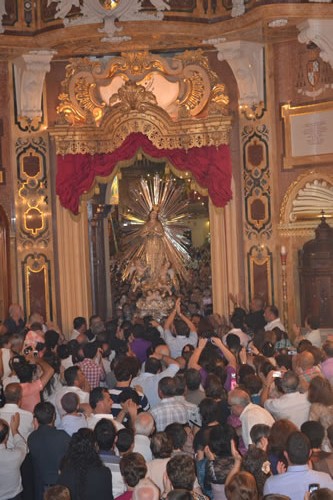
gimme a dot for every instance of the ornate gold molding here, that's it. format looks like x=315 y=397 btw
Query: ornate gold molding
x=86 y=83
x=136 y=111
x=197 y=117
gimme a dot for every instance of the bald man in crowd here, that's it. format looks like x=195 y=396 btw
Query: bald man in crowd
x=248 y=413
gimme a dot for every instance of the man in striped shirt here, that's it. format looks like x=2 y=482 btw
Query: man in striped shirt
x=122 y=372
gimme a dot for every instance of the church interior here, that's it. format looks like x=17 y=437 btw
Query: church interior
x=232 y=99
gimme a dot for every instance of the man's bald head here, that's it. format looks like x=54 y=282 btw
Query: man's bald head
x=305 y=360
x=144 y=424
x=13 y=393
x=238 y=400
x=146 y=490
x=240 y=397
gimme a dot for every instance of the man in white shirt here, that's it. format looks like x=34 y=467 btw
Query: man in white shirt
x=154 y=372
x=271 y=315
x=79 y=327
x=312 y=333
x=101 y=403
x=11 y=459
x=179 y=331
x=144 y=426
x=291 y=405
x=77 y=383
x=248 y=413
x=13 y=396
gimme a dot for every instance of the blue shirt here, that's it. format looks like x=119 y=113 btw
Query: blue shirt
x=295 y=482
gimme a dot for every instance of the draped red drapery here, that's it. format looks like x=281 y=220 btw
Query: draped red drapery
x=210 y=166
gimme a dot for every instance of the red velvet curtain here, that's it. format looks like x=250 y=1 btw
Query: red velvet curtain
x=210 y=166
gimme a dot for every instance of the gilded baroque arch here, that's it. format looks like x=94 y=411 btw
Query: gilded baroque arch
x=304 y=201
x=104 y=101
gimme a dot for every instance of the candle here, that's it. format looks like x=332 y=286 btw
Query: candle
x=283 y=250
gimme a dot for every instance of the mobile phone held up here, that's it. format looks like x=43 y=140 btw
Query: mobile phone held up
x=233 y=382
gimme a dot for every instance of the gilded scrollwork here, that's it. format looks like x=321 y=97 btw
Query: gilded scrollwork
x=197 y=57
x=219 y=100
x=90 y=86
x=68 y=112
x=99 y=125
x=84 y=94
x=133 y=97
x=135 y=64
x=164 y=133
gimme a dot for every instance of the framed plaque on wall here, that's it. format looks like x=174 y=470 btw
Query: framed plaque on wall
x=308 y=134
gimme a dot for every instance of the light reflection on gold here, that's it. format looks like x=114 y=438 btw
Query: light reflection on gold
x=110 y=4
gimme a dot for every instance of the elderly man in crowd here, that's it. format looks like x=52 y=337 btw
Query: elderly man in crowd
x=169 y=410
x=292 y=404
x=249 y=413
x=144 y=427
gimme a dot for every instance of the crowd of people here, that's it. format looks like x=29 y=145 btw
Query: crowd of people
x=188 y=407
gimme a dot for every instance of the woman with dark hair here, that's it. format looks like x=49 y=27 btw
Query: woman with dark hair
x=209 y=410
x=54 y=383
x=256 y=462
x=179 y=494
x=242 y=485
x=26 y=368
x=214 y=389
x=320 y=395
x=277 y=442
x=219 y=458
x=82 y=470
x=187 y=352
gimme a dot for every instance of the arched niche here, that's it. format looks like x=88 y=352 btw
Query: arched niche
x=300 y=214
x=305 y=200
x=195 y=125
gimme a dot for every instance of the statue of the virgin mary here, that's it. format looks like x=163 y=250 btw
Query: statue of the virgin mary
x=155 y=246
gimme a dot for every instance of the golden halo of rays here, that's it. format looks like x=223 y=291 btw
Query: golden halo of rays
x=172 y=213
